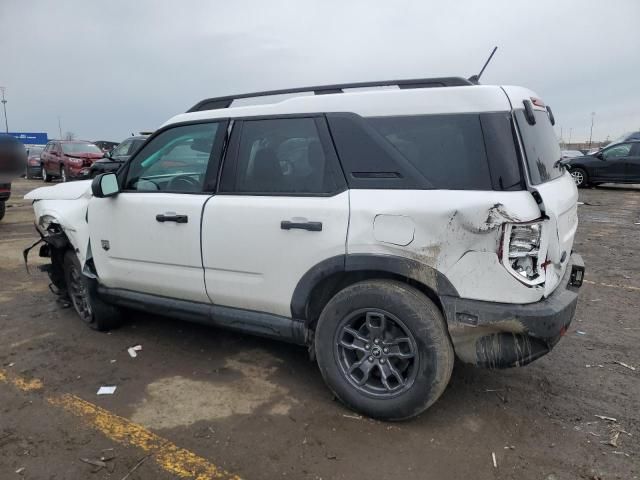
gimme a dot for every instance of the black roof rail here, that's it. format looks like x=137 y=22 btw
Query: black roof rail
x=225 y=102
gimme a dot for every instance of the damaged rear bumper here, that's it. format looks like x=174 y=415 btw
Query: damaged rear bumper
x=501 y=335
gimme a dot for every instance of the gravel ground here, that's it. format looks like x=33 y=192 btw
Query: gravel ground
x=259 y=408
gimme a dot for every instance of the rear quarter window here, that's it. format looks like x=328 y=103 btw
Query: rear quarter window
x=448 y=150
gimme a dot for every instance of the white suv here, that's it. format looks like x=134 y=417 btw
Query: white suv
x=387 y=230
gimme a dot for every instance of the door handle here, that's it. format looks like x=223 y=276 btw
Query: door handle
x=310 y=226
x=172 y=217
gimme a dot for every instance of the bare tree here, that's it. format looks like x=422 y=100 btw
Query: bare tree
x=69 y=136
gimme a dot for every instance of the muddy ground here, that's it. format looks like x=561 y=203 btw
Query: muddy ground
x=259 y=408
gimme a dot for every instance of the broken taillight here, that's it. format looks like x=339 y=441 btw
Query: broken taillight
x=521 y=252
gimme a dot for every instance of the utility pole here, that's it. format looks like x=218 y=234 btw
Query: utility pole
x=59 y=127
x=593 y=114
x=4 y=107
x=570 y=135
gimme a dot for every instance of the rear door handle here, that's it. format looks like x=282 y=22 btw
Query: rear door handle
x=171 y=217
x=311 y=226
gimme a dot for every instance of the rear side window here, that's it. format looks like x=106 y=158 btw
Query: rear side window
x=281 y=156
x=448 y=150
x=541 y=147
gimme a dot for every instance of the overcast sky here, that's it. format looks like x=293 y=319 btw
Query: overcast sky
x=115 y=67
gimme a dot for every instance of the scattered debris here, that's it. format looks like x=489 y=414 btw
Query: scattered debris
x=599 y=366
x=495 y=463
x=609 y=419
x=625 y=365
x=107 y=454
x=331 y=456
x=355 y=417
x=133 y=350
x=20 y=470
x=494 y=390
x=135 y=467
x=580 y=332
x=97 y=464
x=510 y=447
x=112 y=361
x=106 y=390
x=621 y=453
x=11 y=364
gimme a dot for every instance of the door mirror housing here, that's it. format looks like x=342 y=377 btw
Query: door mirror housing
x=105 y=185
x=599 y=155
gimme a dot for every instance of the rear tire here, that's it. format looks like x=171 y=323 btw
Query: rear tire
x=63 y=175
x=97 y=314
x=3 y=209
x=580 y=177
x=45 y=176
x=383 y=348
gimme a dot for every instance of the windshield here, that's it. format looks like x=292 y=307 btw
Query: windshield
x=80 y=148
x=34 y=150
x=541 y=147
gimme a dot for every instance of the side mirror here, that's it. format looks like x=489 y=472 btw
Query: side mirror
x=105 y=185
x=599 y=155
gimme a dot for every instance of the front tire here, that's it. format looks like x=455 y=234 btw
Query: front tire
x=580 y=177
x=63 y=175
x=3 y=209
x=45 y=176
x=383 y=348
x=97 y=314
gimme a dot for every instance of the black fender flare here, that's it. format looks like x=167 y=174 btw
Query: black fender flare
x=393 y=264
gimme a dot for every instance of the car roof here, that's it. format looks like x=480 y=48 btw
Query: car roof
x=377 y=102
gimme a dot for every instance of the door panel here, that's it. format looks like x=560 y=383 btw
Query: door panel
x=251 y=262
x=147 y=237
x=613 y=166
x=133 y=250
x=282 y=207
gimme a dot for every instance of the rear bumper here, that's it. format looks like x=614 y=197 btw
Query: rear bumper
x=500 y=335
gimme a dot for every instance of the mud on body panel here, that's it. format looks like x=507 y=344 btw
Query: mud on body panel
x=457 y=233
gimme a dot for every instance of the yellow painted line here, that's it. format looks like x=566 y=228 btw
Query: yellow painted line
x=628 y=287
x=170 y=457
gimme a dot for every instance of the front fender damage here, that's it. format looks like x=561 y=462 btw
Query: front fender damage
x=53 y=244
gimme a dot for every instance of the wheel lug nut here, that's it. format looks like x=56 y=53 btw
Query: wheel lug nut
x=382 y=360
x=376 y=341
x=371 y=359
x=385 y=350
x=367 y=346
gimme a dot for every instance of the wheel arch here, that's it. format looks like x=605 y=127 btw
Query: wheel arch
x=325 y=279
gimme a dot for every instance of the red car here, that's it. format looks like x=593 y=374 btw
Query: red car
x=68 y=159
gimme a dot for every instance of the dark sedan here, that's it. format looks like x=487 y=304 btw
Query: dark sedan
x=619 y=163
x=118 y=156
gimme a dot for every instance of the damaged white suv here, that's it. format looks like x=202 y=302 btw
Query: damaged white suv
x=388 y=230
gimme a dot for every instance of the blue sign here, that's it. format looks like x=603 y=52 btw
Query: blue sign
x=31 y=138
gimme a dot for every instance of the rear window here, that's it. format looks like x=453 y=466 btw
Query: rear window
x=448 y=150
x=80 y=148
x=541 y=147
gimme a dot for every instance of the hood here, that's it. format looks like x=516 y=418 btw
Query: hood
x=90 y=155
x=62 y=191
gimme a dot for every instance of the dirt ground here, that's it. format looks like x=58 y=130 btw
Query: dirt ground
x=259 y=409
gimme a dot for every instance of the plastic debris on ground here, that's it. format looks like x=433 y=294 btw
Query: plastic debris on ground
x=133 y=351
x=106 y=390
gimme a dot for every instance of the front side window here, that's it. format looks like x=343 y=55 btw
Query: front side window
x=617 y=151
x=174 y=161
x=280 y=156
x=122 y=149
x=541 y=147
